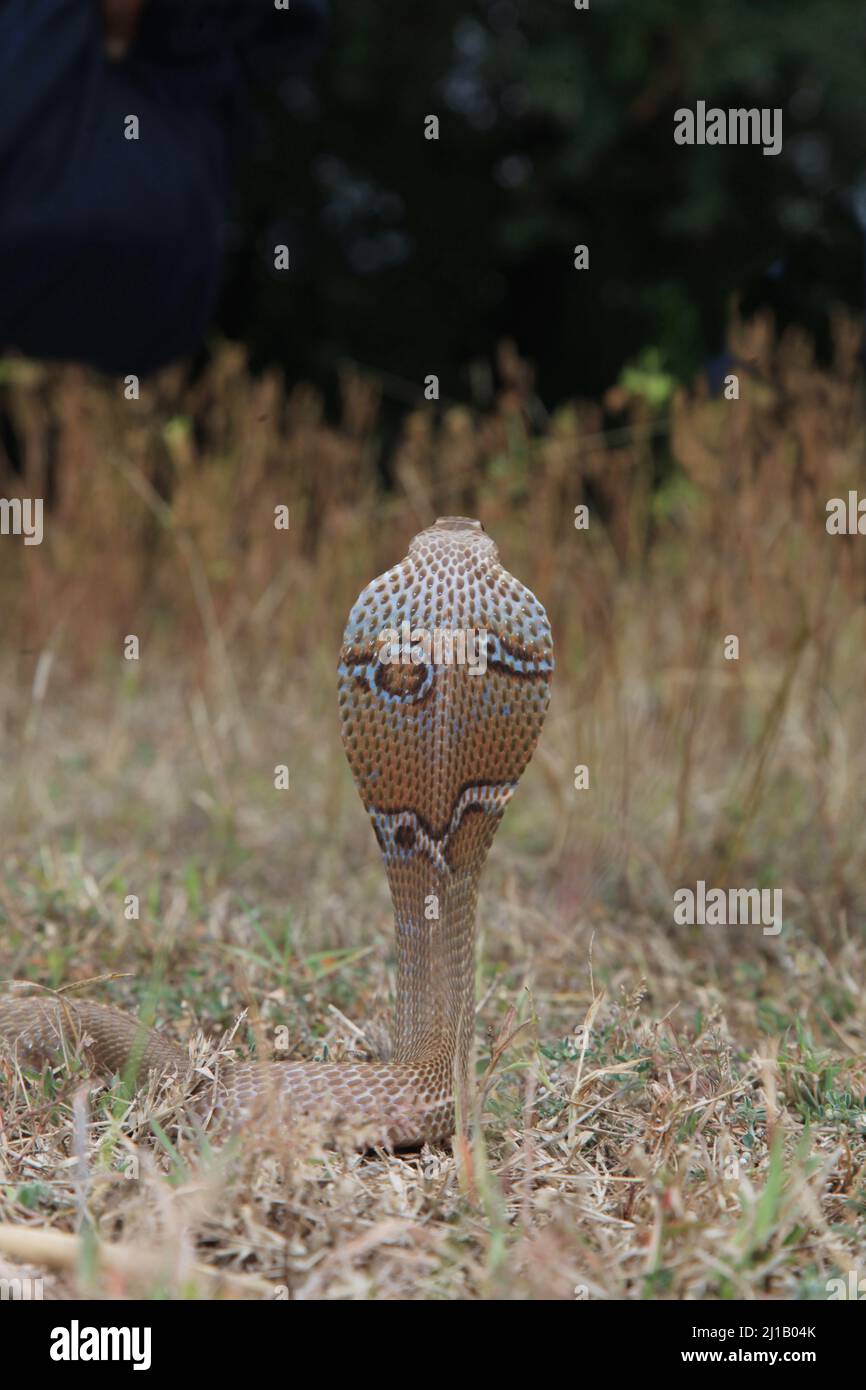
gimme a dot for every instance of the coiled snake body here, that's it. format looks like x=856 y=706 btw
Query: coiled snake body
x=444 y=682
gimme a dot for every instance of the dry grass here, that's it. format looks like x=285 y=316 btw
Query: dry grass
x=664 y=1111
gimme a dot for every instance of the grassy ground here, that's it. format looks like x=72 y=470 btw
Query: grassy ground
x=663 y=1111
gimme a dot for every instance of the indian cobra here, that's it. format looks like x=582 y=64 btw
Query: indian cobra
x=444 y=681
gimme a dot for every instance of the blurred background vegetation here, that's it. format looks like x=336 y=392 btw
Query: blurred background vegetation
x=556 y=128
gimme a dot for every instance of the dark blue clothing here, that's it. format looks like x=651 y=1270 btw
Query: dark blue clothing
x=111 y=249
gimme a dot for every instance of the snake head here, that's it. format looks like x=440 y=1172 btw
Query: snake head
x=444 y=682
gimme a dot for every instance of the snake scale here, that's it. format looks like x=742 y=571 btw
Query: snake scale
x=436 y=744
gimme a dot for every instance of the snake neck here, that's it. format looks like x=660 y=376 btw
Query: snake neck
x=435 y=949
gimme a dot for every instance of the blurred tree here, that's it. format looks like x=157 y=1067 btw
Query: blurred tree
x=556 y=128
